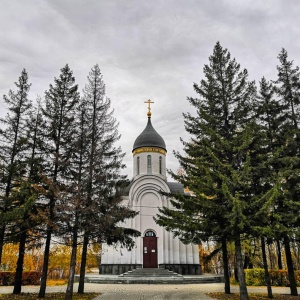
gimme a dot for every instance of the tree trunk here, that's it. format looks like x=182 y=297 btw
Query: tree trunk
x=265 y=262
x=270 y=257
x=236 y=277
x=279 y=258
x=42 y=291
x=290 y=266
x=295 y=251
x=2 y=234
x=20 y=263
x=83 y=264
x=69 y=291
x=240 y=270
x=225 y=266
x=246 y=262
x=43 y=286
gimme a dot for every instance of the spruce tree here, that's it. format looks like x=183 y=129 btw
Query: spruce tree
x=101 y=208
x=25 y=225
x=73 y=205
x=60 y=102
x=275 y=180
x=287 y=87
x=13 y=145
x=264 y=180
x=217 y=159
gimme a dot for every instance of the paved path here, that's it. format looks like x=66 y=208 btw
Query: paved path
x=148 y=291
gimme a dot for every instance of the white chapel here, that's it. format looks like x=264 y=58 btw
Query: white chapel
x=156 y=247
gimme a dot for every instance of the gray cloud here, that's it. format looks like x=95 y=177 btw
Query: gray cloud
x=145 y=49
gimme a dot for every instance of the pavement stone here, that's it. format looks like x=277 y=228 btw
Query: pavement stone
x=153 y=292
x=149 y=291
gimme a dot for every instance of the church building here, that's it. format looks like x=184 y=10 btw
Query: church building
x=156 y=247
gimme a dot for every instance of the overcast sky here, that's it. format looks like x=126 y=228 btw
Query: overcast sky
x=146 y=49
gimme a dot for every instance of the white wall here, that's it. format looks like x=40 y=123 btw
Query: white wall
x=145 y=197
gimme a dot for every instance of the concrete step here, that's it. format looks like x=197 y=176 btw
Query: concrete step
x=124 y=280
x=186 y=279
x=147 y=272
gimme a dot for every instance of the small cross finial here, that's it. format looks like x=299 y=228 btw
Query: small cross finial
x=149 y=108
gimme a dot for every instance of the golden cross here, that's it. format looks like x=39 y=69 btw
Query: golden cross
x=149 y=108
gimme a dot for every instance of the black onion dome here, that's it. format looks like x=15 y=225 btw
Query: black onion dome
x=149 y=138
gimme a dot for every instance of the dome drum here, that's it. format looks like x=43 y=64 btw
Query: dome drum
x=149 y=163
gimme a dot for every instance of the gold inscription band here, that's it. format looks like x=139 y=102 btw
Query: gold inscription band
x=149 y=149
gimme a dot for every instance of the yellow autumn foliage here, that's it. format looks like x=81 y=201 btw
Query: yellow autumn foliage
x=32 y=258
x=59 y=262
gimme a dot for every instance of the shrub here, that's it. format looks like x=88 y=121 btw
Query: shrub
x=31 y=278
x=256 y=277
x=28 y=278
x=7 y=278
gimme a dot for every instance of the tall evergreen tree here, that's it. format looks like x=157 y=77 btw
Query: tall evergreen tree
x=32 y=212
x=60 y=102
x=105 y=213
x=217 y=159
x=264 y=181
x=103 y=170
x=13 y=145
x=73 y=205
x=287 y=88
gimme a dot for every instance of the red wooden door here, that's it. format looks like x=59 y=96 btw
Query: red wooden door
x=150 y=252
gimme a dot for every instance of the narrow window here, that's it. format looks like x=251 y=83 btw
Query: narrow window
x=138 y=165
x=160 y=165
x=149 y=165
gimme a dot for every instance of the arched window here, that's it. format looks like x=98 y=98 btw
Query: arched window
x=150 y=233
x=138 y=165
x=149 y=164
x=160 y=165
